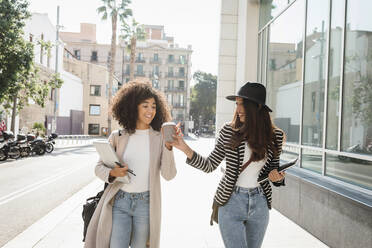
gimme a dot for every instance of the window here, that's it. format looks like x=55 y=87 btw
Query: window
x=170 y=84
x=170 y=99
x=315 y=72
x=94 y=109
x=94 y=56
x=170 y=58
x=181 y=100
x=52 y=93
x=156 y=57
x=95 y=90
x=181 y=84
x=284 y=84
x=182 y=60
x=140 y=70
x=170 y=71
x=93 y=129
x=156 y=70
x=77 y=53
x=181 y=71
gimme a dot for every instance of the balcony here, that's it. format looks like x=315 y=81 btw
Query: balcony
x=178 y=105
x=182 y=61
x=154 y=74
x=139 y=74
x=140 y=60
x=155 y=61
x=174 y=89
x=171 y=75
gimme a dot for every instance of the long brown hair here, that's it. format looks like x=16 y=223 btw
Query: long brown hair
x=257 y=129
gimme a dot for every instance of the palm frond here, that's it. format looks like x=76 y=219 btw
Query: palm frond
x=101 y=9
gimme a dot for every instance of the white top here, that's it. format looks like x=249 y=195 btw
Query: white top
x=137 y=157
x=248 y=178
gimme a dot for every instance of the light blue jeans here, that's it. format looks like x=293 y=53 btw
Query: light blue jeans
x=244 y=218
x=130 y=220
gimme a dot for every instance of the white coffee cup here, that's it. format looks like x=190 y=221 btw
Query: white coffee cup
x=168 y=131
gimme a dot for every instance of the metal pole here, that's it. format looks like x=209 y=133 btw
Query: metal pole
x=54 y=127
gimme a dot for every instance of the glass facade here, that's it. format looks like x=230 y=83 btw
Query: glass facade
x=315 y=58
x=284 y=71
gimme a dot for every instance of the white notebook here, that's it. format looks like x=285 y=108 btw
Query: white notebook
x=109 y=157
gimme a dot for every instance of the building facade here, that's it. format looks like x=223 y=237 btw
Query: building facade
x=61 y=102
x=315 y=58
x=158 y=59
x=95 y=93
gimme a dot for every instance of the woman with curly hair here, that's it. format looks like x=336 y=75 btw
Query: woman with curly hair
x=129 y=214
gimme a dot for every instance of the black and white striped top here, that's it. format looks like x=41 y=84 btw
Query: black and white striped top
x=223 y=150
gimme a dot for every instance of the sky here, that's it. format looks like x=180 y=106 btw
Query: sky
x=190 y=22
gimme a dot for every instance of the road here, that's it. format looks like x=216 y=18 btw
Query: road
x=31 y=187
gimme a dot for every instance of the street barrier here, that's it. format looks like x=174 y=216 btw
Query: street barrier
x=74 y=140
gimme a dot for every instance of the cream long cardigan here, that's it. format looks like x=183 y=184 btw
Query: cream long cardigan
x=161 y=162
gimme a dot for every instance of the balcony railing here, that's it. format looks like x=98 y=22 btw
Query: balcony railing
x=154 y=74
x=174 y=89
x=140 y=60
x=178 y=105
x=182 y=61
x=155 y=61
x=139 y=73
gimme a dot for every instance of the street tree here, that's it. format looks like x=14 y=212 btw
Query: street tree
x=203 y=98
x=131 y=33
x=19 y=76
x=115 y=9
x=16 y=55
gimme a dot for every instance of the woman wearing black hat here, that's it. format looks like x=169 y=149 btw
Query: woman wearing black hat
x=251 y=146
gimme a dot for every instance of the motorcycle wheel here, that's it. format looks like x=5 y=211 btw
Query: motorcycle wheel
x=16 y=155
x=25 y=152
x=49 y=148
x=40 y=151
x=3 y=156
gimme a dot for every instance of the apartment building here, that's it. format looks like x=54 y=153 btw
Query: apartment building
x=95 y=93
x=158 y=59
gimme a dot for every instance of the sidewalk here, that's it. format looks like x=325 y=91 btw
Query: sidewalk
x=186 y=208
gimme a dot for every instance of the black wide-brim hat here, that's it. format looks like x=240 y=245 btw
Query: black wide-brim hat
x=255 y=92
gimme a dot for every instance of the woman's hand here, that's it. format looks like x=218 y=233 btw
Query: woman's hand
x=119 y=171
x=179 y=142
x=276 y=176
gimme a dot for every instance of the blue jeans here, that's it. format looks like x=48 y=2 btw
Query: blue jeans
x=130 y=220
x=244 y=218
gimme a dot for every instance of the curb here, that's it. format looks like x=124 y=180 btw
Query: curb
x=40 y=229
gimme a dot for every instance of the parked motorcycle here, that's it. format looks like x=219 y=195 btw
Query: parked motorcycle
x=37 y=145
x=49 y=142
x=10 y=148
x=23 y=145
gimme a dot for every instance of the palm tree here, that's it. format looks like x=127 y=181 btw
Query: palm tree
x=116 y=9
x=131 y=34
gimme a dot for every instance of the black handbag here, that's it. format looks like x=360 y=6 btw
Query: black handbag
x=88 y=209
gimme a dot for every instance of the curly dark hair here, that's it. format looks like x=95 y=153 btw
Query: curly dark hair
x=124 y=107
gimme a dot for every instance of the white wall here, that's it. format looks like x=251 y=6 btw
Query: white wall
x=37 y=25
x=70 y=94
